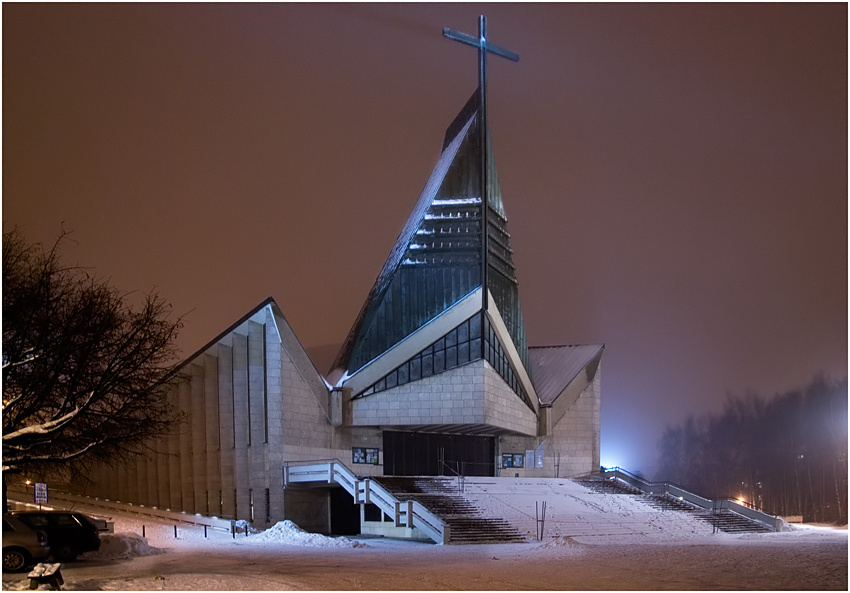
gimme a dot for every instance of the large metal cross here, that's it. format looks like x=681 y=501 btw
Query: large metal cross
x=484 y=47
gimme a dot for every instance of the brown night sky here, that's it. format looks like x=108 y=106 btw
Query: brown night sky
x=675 y=176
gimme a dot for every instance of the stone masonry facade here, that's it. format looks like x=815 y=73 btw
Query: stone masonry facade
x=252 y=402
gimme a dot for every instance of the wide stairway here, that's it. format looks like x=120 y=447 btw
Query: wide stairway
x=441 y=496
x=721 y=519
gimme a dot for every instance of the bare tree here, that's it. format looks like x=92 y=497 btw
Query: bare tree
x=84 y=371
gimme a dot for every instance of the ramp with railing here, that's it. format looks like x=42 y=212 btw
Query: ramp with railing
x=406 y=513
x=105 y=506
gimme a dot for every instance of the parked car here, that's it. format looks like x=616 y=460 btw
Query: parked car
x=22 y=545
x=68 y=533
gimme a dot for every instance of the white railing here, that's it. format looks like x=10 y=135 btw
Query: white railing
x=67 y=500
x=406 y=513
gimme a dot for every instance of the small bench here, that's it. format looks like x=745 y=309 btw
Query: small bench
x=46 y=574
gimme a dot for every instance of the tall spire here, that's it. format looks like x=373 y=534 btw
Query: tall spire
x=484 y=47
x=448 y=292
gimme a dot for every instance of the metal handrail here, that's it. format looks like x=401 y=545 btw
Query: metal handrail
x=666 y=487
x=407 y=513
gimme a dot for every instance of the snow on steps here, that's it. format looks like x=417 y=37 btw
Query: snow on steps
x=724 y=520
x=469 y=524
x=574 y=510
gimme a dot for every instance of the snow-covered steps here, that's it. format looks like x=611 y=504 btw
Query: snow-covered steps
x=469 y=524
x=608 y=486
x=721 y=519
x=574 y=510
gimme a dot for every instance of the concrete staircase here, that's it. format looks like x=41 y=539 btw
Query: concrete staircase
x=721 y=519
x=467 y=521
x=603 y=486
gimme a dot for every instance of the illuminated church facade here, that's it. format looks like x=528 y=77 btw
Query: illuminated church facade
x=434 y=378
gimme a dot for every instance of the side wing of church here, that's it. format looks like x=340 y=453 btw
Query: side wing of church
x=434 y=378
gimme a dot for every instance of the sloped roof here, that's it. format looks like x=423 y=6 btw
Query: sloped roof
x=555 y=367
x=223 y=334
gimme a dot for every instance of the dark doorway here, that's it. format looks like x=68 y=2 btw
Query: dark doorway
x=431 y=454
x=345 y=515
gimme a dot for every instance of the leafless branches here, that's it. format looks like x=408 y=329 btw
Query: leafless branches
x=84 y=373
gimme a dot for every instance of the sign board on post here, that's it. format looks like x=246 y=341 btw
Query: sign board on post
x=40 y=493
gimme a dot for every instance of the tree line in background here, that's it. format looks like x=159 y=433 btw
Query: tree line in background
x=786 y=455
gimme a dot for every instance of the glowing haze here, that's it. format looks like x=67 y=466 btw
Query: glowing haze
x=675 y=176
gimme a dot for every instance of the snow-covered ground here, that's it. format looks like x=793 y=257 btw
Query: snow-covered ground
x=591 y=541
x=573 y=510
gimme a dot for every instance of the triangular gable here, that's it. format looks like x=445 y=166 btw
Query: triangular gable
x=268 y=310
x=563 y=371
x=301 y=359
x=371 y=323
x=221 y=336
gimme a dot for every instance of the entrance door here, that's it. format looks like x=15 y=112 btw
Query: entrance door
x=431 y=454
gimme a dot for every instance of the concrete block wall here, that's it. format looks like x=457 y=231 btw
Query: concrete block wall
x=227 y=428
x=573 y=447
x=452 y=397
x=470 y=394
x=574 y=443
x=503 y=407
x=517 y=444
x=240 y=425
x=212 y=422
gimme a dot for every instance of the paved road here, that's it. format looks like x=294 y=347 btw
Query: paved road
x=725 y=565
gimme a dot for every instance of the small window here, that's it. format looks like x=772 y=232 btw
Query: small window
x=475 y=327
x=463 y=353
x=415 y=369
x=427 y=366
x=440 y=361
x=463 y=333
x=451 y=357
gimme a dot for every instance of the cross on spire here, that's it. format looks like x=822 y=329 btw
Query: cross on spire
x=484 y=47
x=481 y=41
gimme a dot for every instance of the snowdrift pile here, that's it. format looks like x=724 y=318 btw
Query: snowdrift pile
x=287 y=532
x=119 y=546
x=562 y=541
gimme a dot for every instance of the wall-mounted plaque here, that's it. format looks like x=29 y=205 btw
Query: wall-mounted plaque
x=364 y=455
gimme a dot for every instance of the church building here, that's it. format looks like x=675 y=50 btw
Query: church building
x=435 y=377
